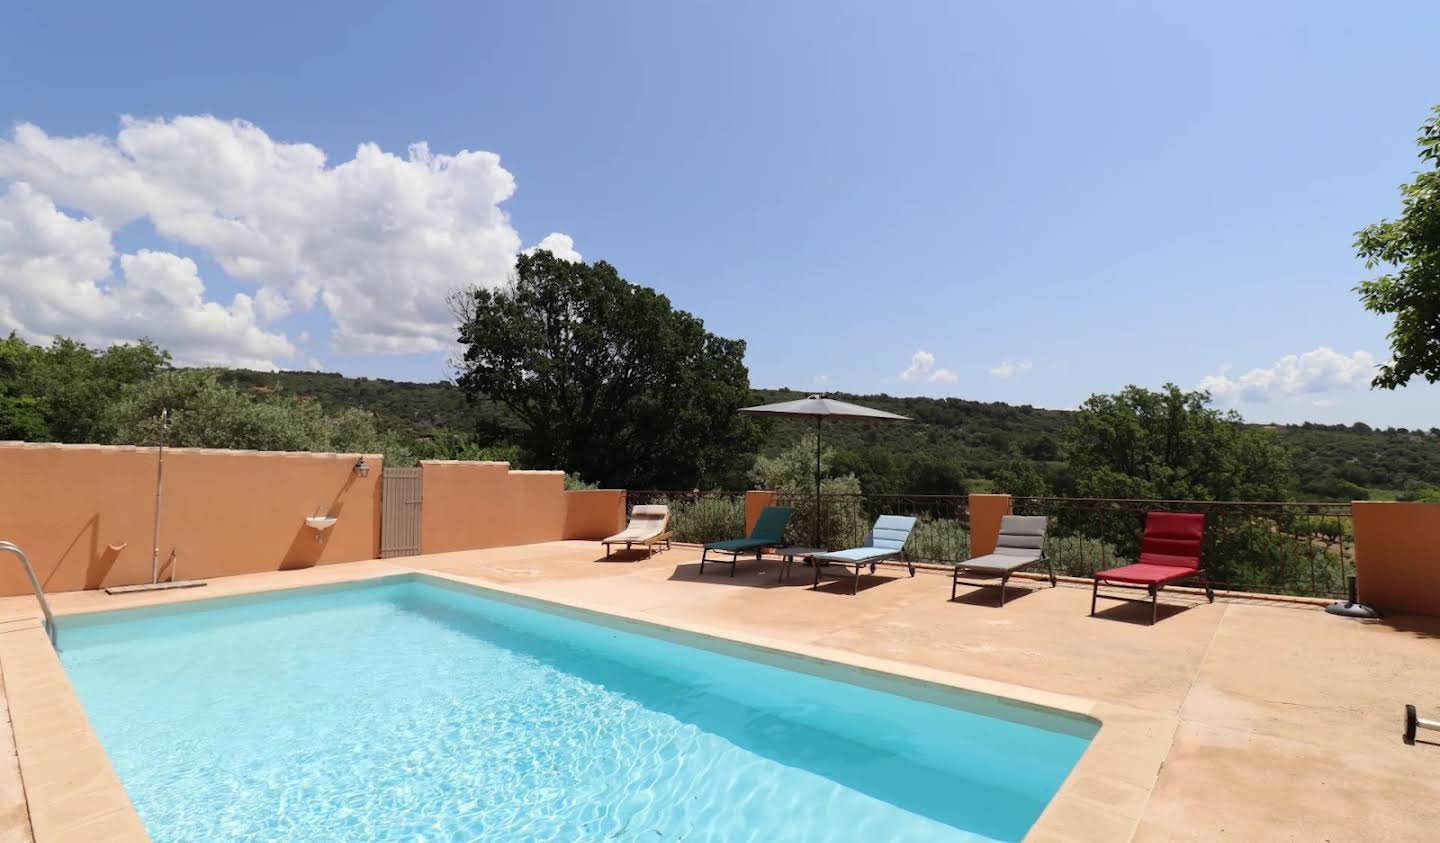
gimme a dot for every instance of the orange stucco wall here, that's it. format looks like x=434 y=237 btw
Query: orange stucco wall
x=85 y=513
x=594 y=513
x=754 y=502
x=1397 y=555
x=486 y=504
x=985 y=514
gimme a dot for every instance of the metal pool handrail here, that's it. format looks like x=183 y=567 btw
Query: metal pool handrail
x=35 y=584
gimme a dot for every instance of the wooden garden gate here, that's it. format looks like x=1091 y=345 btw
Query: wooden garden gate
x=399 y=512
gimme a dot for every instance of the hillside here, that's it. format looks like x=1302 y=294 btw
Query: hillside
x=1330 y=461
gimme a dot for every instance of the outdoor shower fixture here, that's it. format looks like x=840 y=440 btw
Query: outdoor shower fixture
x=155 y=583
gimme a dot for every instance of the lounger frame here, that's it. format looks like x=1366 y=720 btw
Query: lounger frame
x=819 y=563
x=1154 y=590
x=648 y=543
x=979 y=573
x=734 y=554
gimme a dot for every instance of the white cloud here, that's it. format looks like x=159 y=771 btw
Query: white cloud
x=922 y=368
x=379 y=240
x=1321 y=370
x=57 y=276
x=560 y=245
x=1010 y=368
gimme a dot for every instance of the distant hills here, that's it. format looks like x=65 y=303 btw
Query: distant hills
x=1330 y=461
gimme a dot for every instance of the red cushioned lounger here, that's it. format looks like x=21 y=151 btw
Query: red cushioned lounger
x=1169 y=553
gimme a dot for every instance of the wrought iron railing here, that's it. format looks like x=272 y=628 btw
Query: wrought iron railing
x=1301 y=549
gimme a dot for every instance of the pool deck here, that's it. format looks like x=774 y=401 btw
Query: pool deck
x=1241 y=720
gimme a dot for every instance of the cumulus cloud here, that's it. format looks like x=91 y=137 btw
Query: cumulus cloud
x=922 y=368
x=379 y=240
x=1010 y=368
x=1321 y=370
x=560 y=245
x=57 y=276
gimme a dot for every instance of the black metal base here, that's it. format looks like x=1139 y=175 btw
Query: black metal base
x=1347 y=609
x=1412 y=720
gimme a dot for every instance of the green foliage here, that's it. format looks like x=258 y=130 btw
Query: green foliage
x=1411 y=293
x=573 y=483
x=707 y=518
x=1022 y=478
x=60 y=385
x=604 y=377
x=939 y=540
x=206 y=413
x=791 y=474
x=415 y=411
x=1421 y=493
x=881 y=472
x=1170 y=445
x=449 y=445
x=60 y=393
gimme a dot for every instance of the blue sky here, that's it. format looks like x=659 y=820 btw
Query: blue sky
x=1047 y=199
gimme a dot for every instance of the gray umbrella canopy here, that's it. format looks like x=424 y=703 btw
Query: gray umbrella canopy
x=820 y=408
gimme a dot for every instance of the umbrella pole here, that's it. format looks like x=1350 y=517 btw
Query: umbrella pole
x=817 y=481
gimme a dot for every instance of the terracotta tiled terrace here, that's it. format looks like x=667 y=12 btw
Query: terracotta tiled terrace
x=1241 y=720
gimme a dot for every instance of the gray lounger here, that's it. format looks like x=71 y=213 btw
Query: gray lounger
x=1021 y=544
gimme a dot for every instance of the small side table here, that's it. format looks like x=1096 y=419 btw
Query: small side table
x=789 y=554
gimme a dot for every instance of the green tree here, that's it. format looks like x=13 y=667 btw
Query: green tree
x=1171 y=445
x=205 y=413
x=1411 y=292
x=22 y=408
x=59 y=393
x=605 y=378
x=928 y=474
x=1022 y=478
x=791 y=473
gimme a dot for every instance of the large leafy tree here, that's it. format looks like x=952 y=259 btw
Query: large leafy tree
x=1170 y=445
x=1410 y=246
x=61 y=392
x=606 y=378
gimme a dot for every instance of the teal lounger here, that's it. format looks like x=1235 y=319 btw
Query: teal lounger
x=769 y=531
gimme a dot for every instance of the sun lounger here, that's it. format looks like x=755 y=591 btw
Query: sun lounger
x=1169 y=553
x=1021 y=544
x=649 y=525
x=769 y=531
x=886 y=542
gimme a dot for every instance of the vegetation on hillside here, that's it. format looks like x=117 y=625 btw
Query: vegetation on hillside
x=67 y=392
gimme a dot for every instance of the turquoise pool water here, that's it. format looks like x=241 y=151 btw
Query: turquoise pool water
x=418 y=710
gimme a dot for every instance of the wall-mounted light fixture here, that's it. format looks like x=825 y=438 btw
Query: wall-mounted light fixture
x=361 y=467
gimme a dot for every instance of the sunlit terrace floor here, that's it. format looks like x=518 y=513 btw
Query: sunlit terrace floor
x=1239 y=720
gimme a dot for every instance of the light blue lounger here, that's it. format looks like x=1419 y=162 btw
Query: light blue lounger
x=886 y=541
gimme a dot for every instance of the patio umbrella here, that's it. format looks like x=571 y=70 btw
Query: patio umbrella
x=820 y=408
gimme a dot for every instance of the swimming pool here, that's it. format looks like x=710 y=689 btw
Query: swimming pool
x=412 y=708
